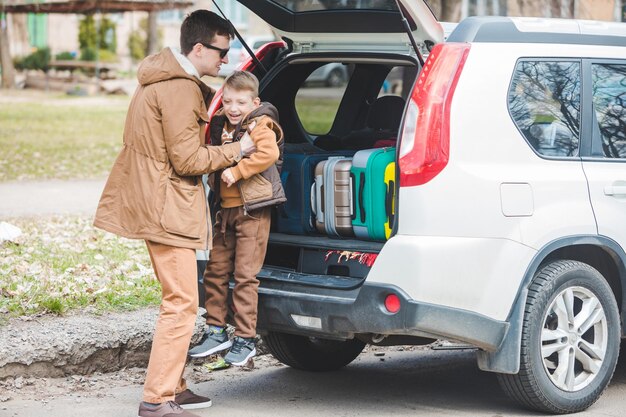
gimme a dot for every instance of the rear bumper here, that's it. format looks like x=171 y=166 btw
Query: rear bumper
x=339 y=311
x=344 y=313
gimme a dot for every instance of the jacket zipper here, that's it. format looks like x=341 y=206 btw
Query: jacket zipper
x=243 y=200
x=206 y=217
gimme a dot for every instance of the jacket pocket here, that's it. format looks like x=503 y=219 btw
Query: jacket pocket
x=182 y=210
x=256 y=188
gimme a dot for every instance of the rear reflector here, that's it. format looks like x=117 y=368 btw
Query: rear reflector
x=392 y=303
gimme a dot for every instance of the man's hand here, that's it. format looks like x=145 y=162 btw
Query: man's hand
x=247 y=146
x=228 y=177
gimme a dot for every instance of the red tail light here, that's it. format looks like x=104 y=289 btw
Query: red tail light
x=425 y=144
x=247 y=65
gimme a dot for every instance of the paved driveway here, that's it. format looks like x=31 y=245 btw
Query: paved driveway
x=400 y=383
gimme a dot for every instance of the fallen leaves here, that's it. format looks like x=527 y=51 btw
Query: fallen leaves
x=60 y=263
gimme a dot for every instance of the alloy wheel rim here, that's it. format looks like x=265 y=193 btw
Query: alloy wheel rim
x=574 y=339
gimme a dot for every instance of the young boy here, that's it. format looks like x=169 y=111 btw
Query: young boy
x=244 y=195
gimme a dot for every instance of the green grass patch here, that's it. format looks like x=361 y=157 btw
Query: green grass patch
x=57 y=137
x=63 y=263
x=317 y=114
x=60 y=138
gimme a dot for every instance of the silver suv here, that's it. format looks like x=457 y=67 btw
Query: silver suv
x=509 y=197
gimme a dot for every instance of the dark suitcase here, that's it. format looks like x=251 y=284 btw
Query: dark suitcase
x=297 y=175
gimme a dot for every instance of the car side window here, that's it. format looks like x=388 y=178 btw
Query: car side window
x=609 y=103
x=544 y=101
x=318 y=99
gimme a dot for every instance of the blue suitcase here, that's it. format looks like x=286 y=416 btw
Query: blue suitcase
x=297 y=175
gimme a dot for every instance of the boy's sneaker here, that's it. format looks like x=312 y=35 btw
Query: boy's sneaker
x=190 y=401
x=168 y=409
x=212 y=342
x=242 y=350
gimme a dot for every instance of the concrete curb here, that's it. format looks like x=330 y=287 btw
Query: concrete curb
x=79 y=344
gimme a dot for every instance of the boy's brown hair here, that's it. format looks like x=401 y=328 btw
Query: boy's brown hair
x=243 y=81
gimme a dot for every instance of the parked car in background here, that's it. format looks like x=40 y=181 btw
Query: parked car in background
x=238 y=53
x=334 y=74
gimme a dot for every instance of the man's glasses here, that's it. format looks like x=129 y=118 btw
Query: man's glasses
x=223 y=52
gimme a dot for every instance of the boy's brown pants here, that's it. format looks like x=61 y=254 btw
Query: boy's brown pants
x=239 y=246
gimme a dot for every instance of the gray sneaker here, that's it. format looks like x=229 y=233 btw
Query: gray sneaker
x=212 y=342
x=242 y=350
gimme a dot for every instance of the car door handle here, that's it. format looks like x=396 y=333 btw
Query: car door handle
x=615 y=190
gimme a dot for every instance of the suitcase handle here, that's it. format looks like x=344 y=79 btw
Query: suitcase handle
x=319 y=203
x=352 y=196
x=312 y=198
x=362 y=197
x=389 y=202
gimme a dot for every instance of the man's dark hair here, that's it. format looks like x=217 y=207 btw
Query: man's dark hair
x=201 y=26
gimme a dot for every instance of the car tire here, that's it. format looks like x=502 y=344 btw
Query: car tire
x=570 y=340
x=312 y=354
x=335 y=78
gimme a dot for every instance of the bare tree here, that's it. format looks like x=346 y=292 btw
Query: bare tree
x=446 y=10
x=6 y=63
x=618 y=11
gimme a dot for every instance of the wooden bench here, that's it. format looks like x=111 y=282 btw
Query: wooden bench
x=105 y=70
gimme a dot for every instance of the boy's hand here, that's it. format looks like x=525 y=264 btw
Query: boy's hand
x=247 y=146
x=228 y=177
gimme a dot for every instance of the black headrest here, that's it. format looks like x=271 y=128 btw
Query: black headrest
x=386 y=113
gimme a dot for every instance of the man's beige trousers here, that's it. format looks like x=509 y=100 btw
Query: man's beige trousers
x=176 y=270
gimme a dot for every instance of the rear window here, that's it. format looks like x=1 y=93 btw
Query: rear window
x=544 y=101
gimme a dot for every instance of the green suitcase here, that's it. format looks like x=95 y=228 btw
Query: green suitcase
x=371 y=192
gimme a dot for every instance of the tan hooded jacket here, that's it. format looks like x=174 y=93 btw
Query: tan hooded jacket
x=154 y=191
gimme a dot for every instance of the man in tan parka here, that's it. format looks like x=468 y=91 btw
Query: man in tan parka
x=155 y=193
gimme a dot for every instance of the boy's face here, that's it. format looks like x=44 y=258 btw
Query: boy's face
x=238 y=103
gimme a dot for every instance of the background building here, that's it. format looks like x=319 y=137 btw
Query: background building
x=59 y=32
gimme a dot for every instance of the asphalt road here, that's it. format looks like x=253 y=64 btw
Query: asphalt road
x=34 y=198
x=400 y=383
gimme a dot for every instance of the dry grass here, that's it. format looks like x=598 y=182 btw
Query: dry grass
x=63 y=263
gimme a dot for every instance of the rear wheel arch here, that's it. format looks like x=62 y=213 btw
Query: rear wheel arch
x=602 y=258
x=599 y=252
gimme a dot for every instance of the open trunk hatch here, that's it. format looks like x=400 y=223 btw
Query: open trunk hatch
x=326 y=25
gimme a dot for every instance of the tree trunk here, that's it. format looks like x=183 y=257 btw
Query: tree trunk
x=618 y=13
x=450 y=11
x=6 y=63
x=153 y=35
